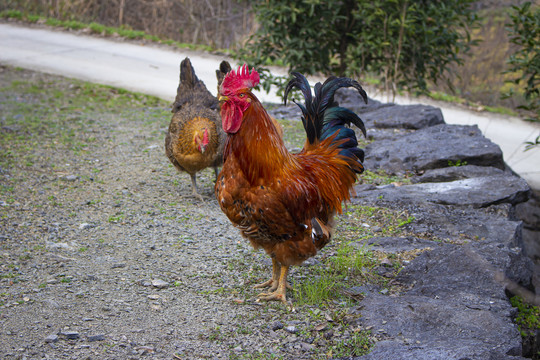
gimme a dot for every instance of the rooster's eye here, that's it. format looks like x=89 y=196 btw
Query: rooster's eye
x=242 y=95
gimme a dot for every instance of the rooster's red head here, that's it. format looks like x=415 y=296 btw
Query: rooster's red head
x=239 y=80
x=236 y=96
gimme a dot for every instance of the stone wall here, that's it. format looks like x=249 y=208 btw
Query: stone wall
x=454 y=302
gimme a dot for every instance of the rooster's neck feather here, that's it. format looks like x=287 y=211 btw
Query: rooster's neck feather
x=258 y=147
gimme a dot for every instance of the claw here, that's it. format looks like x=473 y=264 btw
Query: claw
x=264 y=284
x=278 y=291
x=276 y=295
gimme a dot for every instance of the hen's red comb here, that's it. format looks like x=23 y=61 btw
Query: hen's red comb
x=240 y=79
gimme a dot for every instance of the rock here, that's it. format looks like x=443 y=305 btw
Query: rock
x=403 y=116
x=70 y=335
x=98 y=337
x=291 y=329
x=529 y=213
x=351 y=99
x=477 y=251
x=277 y=325
x=476 y=192
x=452 y=173
x=85 y=226
x=434 y=147
x=144 y=282
x=69 y=178
x=306 y=347
x=51 y=338
x=144 y=350
x=160 y=284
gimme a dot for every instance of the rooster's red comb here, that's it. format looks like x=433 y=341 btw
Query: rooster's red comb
x=240 y=79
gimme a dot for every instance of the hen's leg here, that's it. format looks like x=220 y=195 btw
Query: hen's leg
x=194 y=187
x=280 y=294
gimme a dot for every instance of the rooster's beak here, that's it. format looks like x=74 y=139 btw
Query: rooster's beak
x=222 y=98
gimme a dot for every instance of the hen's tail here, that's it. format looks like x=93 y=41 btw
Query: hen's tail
x=324 y=119
x=191 y=90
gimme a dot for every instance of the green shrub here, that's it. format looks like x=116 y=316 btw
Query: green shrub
x=524 y=32
x=406 y=43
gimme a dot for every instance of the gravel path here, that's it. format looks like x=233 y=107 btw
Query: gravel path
x=103 y=253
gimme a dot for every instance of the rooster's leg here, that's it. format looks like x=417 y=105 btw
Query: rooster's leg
x=280 y=294
x=273 y=282
x=194 y=187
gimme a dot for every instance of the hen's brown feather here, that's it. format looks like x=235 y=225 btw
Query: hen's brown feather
x=195 y=120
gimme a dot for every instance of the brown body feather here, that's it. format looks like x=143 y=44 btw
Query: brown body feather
x=285 y=203
x=272 y=195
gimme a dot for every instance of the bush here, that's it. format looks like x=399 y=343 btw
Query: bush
x=525 y=33
x=405 y=43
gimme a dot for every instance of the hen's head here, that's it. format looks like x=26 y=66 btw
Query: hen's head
x=201 y=140
x=236 y=97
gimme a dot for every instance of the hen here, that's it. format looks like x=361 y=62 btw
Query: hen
x=285 y=203
x=195 y=138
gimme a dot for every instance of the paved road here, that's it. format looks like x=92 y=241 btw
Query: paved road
x=154 y=70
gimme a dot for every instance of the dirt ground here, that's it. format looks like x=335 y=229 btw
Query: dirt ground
x=105 y=255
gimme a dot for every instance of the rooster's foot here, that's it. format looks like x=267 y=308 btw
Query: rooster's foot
x=274 y=296
x=272 y=284
x=265 y=284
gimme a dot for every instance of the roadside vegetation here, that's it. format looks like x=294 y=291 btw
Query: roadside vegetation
x=483 y=59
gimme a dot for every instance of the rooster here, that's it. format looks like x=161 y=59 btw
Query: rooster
x=281 y=202
x=195 y=138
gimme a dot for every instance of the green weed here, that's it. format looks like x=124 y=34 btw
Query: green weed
x=528 y=317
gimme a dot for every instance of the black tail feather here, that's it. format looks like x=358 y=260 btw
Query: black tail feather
x=323 y=118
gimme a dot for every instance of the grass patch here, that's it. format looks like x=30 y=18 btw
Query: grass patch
x=358 y=344
x=319 y=288
x=528 y=317
x=381 y=177
x=347 y=261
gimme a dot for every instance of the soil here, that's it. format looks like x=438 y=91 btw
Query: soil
x=104 y=254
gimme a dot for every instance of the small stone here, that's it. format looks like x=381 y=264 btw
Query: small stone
x=160 y=284
x=145 y=283
x=291 y=329
x=70 y=178
x=153 y=297
x=70 y=335
x=84 y=226
x=98 y=337
x=306 y=347
x=143 y=350
x=51 y=338
x=277 y=326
